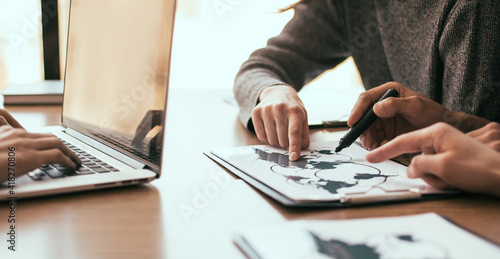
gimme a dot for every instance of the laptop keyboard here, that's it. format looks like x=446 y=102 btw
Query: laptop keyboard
x=90 y=165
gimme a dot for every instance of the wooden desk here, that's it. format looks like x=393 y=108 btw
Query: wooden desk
x=173 y=217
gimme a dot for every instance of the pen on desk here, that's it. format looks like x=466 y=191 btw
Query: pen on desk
x=327 y=124
x=363 y=124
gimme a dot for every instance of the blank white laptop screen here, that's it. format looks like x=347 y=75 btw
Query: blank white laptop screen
x=117 y=72
x=116 y=85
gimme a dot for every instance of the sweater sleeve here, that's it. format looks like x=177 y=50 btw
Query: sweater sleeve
x=313 y=41
x=470 y=51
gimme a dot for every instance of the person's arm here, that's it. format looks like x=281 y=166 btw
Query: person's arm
x=469 y=48
x=468 y=63
x=22 y=152
x=312 y=42
x=410 y=111
x=7 y=119
x=449 y=159
x=281 y=119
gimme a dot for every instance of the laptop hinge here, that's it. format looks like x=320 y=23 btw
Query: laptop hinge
x=105 y=149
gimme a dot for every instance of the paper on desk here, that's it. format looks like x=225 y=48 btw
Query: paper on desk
x=417 y=236
x=321 y=174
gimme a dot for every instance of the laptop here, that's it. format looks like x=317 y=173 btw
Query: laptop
x=114 y=105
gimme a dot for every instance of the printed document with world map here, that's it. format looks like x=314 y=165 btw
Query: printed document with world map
x=411 y=237
x=321 y=176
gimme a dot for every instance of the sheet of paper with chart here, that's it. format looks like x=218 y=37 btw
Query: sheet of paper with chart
x=321 y=176
x=411 y=237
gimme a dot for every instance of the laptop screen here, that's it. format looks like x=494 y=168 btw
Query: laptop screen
x=117 y=71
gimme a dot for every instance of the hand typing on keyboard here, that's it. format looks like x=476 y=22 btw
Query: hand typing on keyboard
x=90 y=165
x=22 y=152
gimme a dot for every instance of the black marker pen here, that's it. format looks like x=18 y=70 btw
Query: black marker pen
x=363 y=124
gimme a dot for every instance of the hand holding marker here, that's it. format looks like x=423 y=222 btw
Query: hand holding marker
x=363 y=124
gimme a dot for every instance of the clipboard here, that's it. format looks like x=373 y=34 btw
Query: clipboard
x=322 y=178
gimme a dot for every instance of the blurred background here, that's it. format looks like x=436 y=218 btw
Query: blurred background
x=212 y=39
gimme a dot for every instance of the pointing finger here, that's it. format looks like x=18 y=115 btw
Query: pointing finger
x=295 y=135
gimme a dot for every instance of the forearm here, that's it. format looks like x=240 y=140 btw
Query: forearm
x=469 y=48
x=308 y=45
x=247 y=89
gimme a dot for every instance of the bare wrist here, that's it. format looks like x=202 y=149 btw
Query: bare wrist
x=464 y=122
x=275 y=89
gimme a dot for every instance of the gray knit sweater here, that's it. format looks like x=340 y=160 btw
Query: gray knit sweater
x=448 y=50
